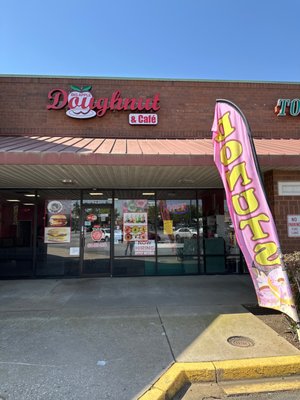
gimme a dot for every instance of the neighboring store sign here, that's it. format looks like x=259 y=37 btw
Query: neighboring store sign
x=81 y=104
x=293 y=222
x=143 y=119
x=287 y=107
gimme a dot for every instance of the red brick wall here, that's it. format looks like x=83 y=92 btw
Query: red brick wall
x=282 y=206
x=187 y=108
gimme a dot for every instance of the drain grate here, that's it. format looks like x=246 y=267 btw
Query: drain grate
x=240 y=341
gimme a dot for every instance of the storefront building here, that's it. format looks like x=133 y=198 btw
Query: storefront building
x=115 y=177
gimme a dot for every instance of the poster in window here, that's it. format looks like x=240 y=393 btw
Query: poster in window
x=135 y=226
x=58 y=221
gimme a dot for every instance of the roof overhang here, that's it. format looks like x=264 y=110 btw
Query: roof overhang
x=44 y=162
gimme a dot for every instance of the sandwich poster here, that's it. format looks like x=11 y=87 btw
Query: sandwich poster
x=58 y=221
x=235 y=158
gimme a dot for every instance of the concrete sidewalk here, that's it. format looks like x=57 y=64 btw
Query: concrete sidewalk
x=106 y=338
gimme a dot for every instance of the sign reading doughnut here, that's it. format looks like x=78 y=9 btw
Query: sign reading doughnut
x=235 y=158
x=81 y=104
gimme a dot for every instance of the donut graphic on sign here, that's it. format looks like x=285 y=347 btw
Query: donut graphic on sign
x=80 y=102
x=97 y=235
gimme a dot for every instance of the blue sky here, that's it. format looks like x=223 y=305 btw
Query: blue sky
x=188 y=39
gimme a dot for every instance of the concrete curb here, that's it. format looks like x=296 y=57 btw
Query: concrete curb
x=180 y=374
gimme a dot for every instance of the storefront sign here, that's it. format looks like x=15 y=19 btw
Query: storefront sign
x=143 y=119
x=81 y=104
x=293 y=222
x=287 y=107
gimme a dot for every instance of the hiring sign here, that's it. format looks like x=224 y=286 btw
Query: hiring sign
x=293 y=222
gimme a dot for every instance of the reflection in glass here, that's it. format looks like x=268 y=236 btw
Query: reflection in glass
x=177 y=226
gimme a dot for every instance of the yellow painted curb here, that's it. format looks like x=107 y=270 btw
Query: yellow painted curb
x=198 y=371
x=257 y=368
x=180 y=374
x=171 y=381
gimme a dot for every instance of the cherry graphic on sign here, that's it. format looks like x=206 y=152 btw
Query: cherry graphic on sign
x=80 y=102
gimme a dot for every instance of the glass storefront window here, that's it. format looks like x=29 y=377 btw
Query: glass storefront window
x=177 y=222
x=213 y=230
x=220 y=249
x=17 y=212
x=134 y=224
x=58 y=233
x=135 y=235
x=116 y=233
x=96 y=232
x=177 y=226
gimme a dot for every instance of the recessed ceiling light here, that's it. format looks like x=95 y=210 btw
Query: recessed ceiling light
x=29 y=195
x=28 y=204
x=148 y=194
x=96 y=194
x=13 y=200
x=67 y=181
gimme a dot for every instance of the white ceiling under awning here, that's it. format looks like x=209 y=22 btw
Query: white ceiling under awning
x=111 y=177
x=87 y=176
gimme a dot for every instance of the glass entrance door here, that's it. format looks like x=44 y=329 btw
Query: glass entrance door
x=96 y=240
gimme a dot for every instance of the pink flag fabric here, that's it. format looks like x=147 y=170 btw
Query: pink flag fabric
x=255 y=230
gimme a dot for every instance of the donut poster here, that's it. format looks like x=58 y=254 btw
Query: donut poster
x=58 y=221
x=135 y=226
